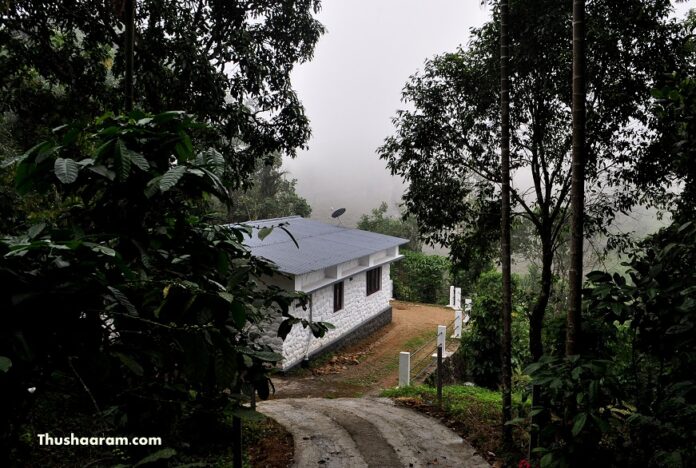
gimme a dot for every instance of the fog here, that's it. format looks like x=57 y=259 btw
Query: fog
x=352 y=89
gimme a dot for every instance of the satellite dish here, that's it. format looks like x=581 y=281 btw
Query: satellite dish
x=336 y=214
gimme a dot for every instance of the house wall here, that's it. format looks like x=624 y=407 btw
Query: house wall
x=358 y=309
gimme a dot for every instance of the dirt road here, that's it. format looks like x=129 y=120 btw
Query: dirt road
x=332 y=430
x=371 y=365
x=368 y=432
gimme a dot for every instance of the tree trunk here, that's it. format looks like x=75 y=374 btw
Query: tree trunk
x=506 y=350
x=129 y=47
x=536 y=319
x=536 y=325
x=577 y=193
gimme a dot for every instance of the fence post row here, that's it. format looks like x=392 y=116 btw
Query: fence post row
x=404 y=369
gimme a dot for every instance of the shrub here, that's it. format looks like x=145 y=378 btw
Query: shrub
x=419 y=277
x=128 y=292
x=479 y=351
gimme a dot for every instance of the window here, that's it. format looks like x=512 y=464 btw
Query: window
x=374 y=280
x=338 y=296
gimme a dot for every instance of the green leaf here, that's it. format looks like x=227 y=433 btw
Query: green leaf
x=123 y=300
x=580 y=421
x=66 y=170
x=137 y=159
x=35 y=230
x=171 y=178
x=103 y=171
x=102 y=249
x=124 y=162
x=226 y=296
x=163 y=454
x=131 y=364
x=285 y=327
x=238 y=314
x=5 y=364
x=546 y=460
x=265 y=232
x=267 y=356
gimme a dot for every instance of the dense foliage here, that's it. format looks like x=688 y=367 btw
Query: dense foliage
x=419 y=277
x=270 y=194
x=227 y=62
x=480 y=347
x=446 y=144
x=127 y=291
x=404 y=227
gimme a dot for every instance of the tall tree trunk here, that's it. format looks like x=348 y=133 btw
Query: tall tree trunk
x=506 y=351
x=577 y=200
x=536 y=319
x=129 y=47
x=536 y=325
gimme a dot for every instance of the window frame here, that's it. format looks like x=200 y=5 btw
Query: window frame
x=373 y=281
x=338 y=304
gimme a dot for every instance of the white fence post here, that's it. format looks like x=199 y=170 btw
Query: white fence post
x=467 y=309
x=457 y=323
x=404 y=369
x=457 y=298
x=441 y=331
x=451 y=300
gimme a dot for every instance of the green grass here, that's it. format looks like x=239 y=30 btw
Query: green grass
x=418 y=341
x=474 y=412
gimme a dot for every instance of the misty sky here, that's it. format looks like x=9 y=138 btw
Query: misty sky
x=352 y=89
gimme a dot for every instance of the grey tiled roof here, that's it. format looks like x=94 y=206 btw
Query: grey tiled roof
x=321 y=245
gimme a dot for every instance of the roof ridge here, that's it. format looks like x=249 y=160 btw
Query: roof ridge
x=271 y=219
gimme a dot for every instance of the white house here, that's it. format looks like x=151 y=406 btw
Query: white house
x=344 y=271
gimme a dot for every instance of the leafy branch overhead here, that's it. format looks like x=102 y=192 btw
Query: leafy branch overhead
x=234 y=74
x=128 y=279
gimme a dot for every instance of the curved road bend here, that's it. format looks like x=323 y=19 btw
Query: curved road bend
x=368 y=432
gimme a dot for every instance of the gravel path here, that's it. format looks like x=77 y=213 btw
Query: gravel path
x=367 y=432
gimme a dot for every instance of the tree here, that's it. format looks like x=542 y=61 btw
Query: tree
x=577 y=195
x=379 y=221
x=445 y=148
x=229 y=63
x=270 y=194
x=505 y=224
x=128 y=291
x=668 y=162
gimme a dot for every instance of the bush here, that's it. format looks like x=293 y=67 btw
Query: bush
x=479 y=351
x=654 y=316
x=128 y=294
x=421 y=278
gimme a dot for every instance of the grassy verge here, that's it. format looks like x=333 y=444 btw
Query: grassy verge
x=418 y=341
x=475 y=413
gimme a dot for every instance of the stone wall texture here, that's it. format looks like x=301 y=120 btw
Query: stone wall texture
x=360 y=313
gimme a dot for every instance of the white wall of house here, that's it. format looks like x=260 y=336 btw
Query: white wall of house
x=358 y=308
